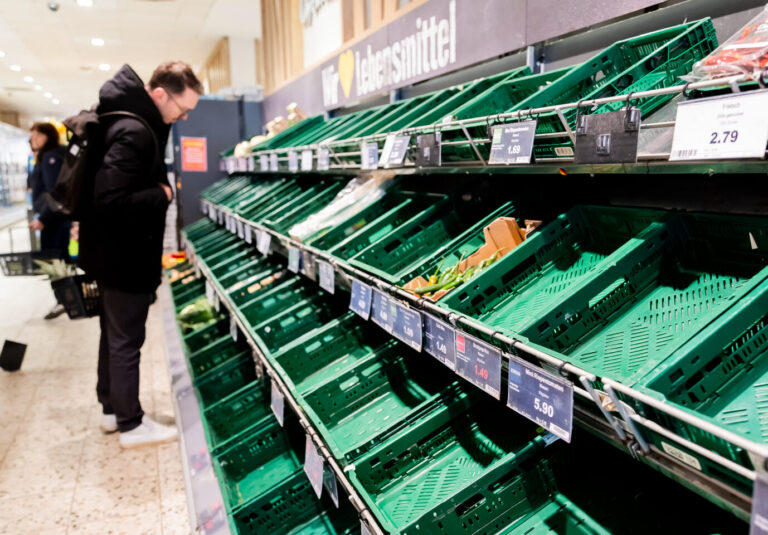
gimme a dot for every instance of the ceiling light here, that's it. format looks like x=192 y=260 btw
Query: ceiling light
x=56 y=101
x=38 y=87
x=97 y=41
x=47 y=95
x=85 y=3
x=104 y=66
x=16 y=68
x=29 y=79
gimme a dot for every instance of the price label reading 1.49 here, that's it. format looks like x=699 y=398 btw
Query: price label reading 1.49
x=381 y=311
x=541 y=397
x=724 y=127
x=406 y=326
x=479 y=363
x=440 y=341
x=360 y=299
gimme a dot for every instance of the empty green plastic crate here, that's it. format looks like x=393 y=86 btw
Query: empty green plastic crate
x=197 y=340
x=272 y=301
x=559 y=516
x=234 y=414
x=213 y=354
x=226 y=378
x=383 y=394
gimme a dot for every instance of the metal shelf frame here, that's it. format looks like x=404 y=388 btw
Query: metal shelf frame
x=625 y=425
x=646 y=163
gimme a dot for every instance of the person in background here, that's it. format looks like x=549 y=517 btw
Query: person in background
x=54 y=228
x=121 y=241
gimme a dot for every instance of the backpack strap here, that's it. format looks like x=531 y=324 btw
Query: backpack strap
x=142 y=121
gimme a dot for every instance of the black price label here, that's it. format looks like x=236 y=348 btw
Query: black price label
x=428 y=153
x=609 y=137
x=406 y=326
x=293 y=162
x=277 y=404
x=541 y=397
x=327 y=276
x=479 y=363
x=273 y=162
x=513 y=143
x=382 y=311
x=440 y=341
x=323 y=159
x=360 y=299
x=294 y=257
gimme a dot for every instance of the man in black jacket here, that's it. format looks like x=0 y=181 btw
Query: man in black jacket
x=121 y=241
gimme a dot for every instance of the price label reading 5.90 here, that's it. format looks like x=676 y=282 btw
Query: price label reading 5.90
x=541 y=397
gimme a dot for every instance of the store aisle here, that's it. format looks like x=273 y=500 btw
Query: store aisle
x=58 y=473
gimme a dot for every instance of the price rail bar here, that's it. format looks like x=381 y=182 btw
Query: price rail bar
x=730 y=82
x=758 y=452
x=357 y=502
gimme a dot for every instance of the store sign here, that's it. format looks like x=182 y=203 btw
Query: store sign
x=513 y=143
x=479 y=363
x=726 y=127
x=541 y=397
x=194 y=154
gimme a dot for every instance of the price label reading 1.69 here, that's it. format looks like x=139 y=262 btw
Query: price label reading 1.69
x=406 y=326
x=381 y=311
x=479 y=363
x=541 y=397
x=360 y=299
x=723 y=127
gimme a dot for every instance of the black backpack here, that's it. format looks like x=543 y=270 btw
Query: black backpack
x=85 y=134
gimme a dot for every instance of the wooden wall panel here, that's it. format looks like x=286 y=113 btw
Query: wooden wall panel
x=215 y=73
x=283 y=43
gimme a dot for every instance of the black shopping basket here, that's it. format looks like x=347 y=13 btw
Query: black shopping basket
x=79 y=295
x=16 y=264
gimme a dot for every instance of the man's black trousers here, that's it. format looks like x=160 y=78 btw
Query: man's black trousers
x=123 y=328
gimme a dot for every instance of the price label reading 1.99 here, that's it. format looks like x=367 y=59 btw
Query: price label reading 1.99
x=479 y=363
x=541 y=397
x=360 y=299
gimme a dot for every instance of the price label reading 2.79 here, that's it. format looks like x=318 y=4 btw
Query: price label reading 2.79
x=479 y=363
x=541 y=397
x=724 y=127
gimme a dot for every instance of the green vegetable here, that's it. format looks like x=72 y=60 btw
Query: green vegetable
x=198 y=312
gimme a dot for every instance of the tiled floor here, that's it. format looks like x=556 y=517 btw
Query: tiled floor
x=58 y=473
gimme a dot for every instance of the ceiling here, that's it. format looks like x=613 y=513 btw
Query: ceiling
x=55 y=49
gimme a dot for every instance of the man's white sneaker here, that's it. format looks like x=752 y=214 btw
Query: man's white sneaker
x=148 y=432
x=108 y=423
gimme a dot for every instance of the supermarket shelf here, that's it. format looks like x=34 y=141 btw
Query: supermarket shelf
x=265 y=369
x=647 y=163
x=623 y=425
x=204 y=500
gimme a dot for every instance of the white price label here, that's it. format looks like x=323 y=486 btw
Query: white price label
x=369 y=155
x=263 y=242
x=251 y=163
x=209 y=294
x=314 y=466
x=294 y=259
x=273 y=162
x=323 y=159
x=248 y=233
x=233 y=328
x=327 y=276
x=293 y=162
x=277 y=403
x=240 y=229
x=726 y=127
x=264 y=163
x=306 y=160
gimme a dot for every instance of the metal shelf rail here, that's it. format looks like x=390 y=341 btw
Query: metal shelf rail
x=626 y=425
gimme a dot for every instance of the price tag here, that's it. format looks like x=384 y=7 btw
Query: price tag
x=360 y=299
x=440 y=341
x=758 y=524
x=209 y=293
x=327 y=276
x=233 y=328
x=329 y=482
x=240 y=229
x=203 y=207
x=251 y=164
x=364 y=528
x=212 y=213
x=725 y=127
x=277 y=403
x=394 y=151
x=221 y=217
x=382 y=313
x=609 y=137
x=429 y=153
x=314 y=466
x=406 y=326
x=308 y=265
x=242 y=164
x=294 y=258
x=541 y=397
x=323 y=159
x=230 y=165
x=263 y=242
x=273 y=162
x=216 y=302
x=479 y=363
x=264 y=163
x=306 y=160
x=293 y=162
x=248 y=234
x=222 y=165
x=232 y=225
x=197 y=271
x=369 y=155
x=513 y=143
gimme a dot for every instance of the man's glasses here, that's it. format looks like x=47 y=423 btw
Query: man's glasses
x=184 y=111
